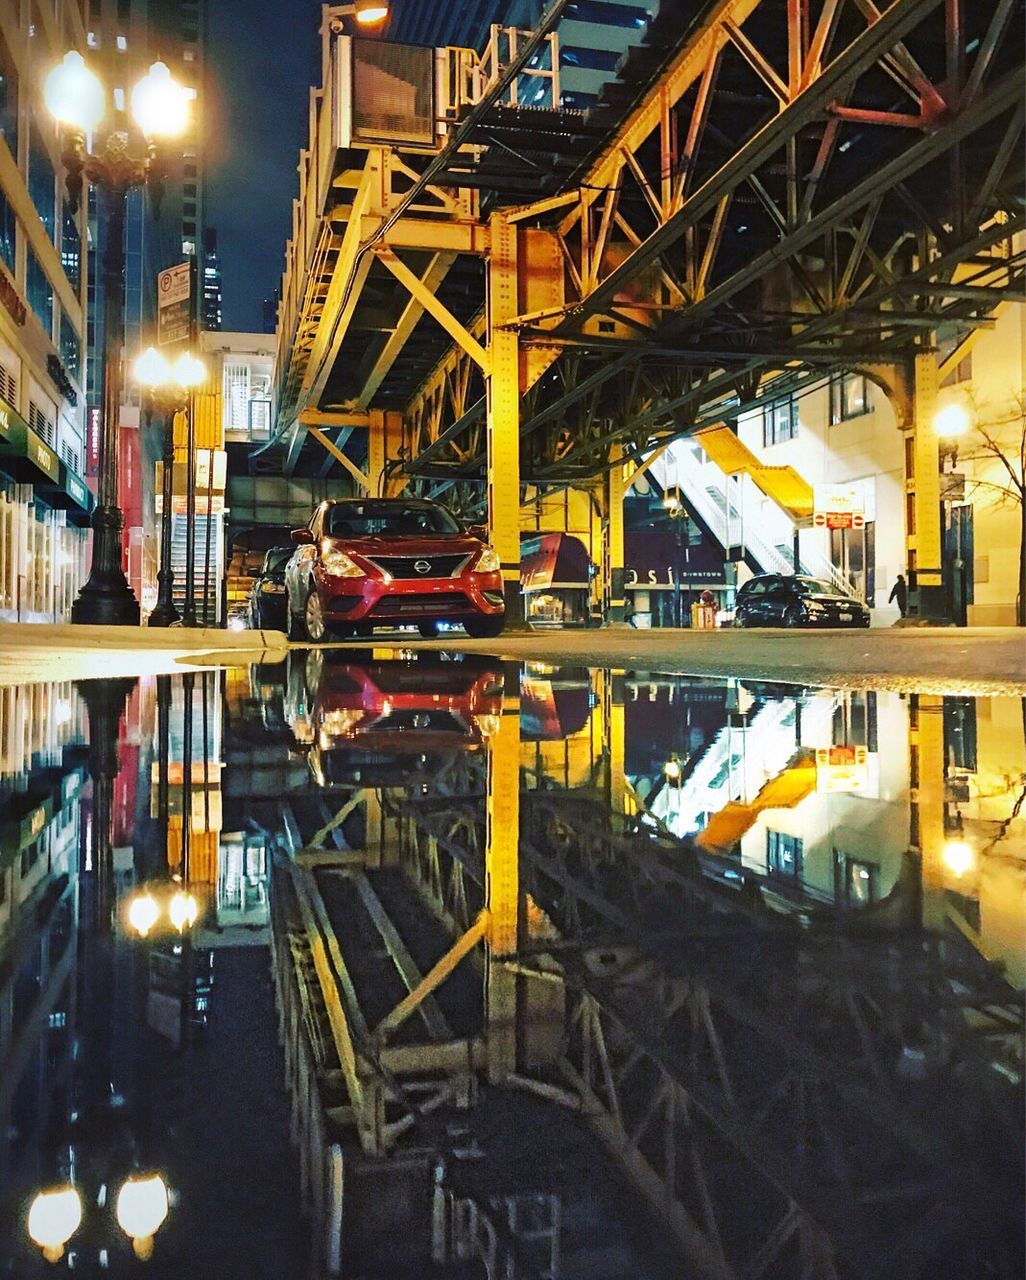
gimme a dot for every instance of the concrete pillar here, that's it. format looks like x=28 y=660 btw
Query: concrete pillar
x=503 y=420
x=922 y=504
x=502 y=884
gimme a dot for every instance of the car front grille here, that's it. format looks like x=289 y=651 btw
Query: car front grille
x=438 y=566
x=435 y=604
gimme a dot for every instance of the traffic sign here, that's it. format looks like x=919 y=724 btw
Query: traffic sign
x=174 y=304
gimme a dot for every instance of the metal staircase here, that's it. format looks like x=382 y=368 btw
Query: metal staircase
x=207 y=592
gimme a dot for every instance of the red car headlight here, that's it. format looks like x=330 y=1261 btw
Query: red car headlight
x=339 y=565
x=488 y=561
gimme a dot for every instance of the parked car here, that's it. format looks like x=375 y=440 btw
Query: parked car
x=794 y=600
x=267 y=596
x=367 y=562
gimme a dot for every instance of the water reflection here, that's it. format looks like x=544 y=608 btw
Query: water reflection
x=577 y=972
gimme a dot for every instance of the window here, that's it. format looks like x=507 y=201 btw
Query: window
x=40 y=293
x=71 y=349
x=189 y=191
x=9 y=366
x=590 y=59
x=7 y=229
x=42 y=183
x=849 y=397
x=854 y=880
x=783 y=855
x=8 y=98
x=42 y=423
x=235 y=392
x=121 y=43
x=71 y=247
x=71 y=458
x=962 y=372
x=780 y=422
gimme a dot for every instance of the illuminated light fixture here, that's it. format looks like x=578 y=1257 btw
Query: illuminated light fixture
x=672 y=770
x=152 y=369
x=671 y=502
x=958 y=857
x=143 y=913
x=73 y=95
x=160 y=105
x=951 y=422
x=53 y=1219
x=371 y=13
x=189 y=371
x=183 y=911
x=141 y=1209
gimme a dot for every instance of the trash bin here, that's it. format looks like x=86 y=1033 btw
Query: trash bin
x=703 y=617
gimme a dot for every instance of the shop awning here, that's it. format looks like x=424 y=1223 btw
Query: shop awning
x=554 y=561
x=70 y=494
x=549 y=713
x=23 y=453
x=653 y=561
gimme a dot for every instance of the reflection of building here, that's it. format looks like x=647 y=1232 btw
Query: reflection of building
x=41 y=777
x=44 y=502
x=210 y=313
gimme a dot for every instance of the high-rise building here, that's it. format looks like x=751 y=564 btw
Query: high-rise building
x=44 y=502
x=210 y=317
x=270 y=309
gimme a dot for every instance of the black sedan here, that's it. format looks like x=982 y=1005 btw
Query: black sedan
x=793 y=600
x=267 y=600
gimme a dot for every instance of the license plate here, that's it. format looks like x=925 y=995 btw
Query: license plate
x=844 y=617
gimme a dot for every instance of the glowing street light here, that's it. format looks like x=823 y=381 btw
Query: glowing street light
x=183 y=911
x=160 y=105
x=54 y=1217
x=951 y=422
x=143 y=913
x=958 y=857
x=142 y=1206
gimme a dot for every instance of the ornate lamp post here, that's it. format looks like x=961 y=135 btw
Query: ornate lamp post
x=167 y=388
x=75 y=97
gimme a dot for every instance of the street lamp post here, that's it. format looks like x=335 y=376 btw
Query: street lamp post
x=678 y=516
x=75 y=97
x=168 y=387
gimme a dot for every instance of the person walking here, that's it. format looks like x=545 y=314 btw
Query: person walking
x=899 y=593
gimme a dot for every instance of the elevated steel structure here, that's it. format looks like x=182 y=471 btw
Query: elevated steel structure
x=771 y=191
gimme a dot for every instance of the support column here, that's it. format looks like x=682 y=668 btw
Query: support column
x=376 y=453
x=613 y=544
x=922 y=502
x=502 y=884
x=927 y=788
x=503 y=421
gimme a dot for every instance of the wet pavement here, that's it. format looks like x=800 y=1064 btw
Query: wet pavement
x=529 y=970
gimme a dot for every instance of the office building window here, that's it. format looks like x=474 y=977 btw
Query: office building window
x=8 y=223
x=783 y=855
x=71 y=247
x=40 y=293
x=854 y=880
x=8 y=98
x=42 y=183
x=780 y=422
x=849 y=397
x=71 y=348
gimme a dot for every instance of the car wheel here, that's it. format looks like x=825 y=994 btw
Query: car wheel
x=740 y=619
x=792 y=616
x=313 y=618
x=485 y=628
x=428 y=630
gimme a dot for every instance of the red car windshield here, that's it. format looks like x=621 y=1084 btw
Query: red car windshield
x=388 y=520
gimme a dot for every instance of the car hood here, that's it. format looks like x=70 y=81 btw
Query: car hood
x=452 y=544
x=838 y=601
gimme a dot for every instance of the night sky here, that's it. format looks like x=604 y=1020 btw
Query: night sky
x=261 y=60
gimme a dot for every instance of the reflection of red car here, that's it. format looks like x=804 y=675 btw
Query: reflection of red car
x=362 y=563
x=383 y=712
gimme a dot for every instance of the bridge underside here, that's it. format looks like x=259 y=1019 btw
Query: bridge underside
x=772 y=191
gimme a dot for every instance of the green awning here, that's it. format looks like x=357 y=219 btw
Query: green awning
x=70 y=494
x=23 y=453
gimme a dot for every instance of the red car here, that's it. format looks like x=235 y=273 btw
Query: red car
x=372 y=562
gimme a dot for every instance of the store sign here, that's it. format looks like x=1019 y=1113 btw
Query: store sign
x=837 y=506
x=174 y=299
x=93 y=443
x=842 y=769
x=952 y=486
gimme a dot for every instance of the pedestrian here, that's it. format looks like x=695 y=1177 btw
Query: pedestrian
x=899 y=592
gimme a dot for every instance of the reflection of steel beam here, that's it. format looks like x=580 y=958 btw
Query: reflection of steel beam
x=422 y=989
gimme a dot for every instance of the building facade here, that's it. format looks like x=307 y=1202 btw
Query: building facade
x=44 y=502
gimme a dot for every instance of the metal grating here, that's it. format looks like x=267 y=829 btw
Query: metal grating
x=393 y=93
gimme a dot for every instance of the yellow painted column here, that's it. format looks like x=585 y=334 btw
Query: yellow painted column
x=613 y=550
x=502 y=885
x=376 y=453
x=926 y=749
x=922 y=487
x=503 y=423
x=616 y=740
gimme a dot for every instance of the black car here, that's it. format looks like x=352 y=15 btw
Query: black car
x=267 y=600
x=794 y=600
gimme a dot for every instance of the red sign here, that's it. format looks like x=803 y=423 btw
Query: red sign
x=838 y=520
x=93 y=443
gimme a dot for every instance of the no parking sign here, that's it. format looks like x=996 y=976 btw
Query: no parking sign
x=174 y=297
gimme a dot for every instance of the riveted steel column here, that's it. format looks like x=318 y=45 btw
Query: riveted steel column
x=502 y=884
x=927 y=792
x=613 y=549
x=376 y=453
x=922 y=503
x=503 y=423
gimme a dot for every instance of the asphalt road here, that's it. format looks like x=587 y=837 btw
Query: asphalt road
x=951 y=660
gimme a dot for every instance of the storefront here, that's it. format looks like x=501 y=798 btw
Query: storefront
x=555 y=577
x=666 y=571
x=44 y=512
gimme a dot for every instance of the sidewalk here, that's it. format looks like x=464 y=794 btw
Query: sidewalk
x=34 y=652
